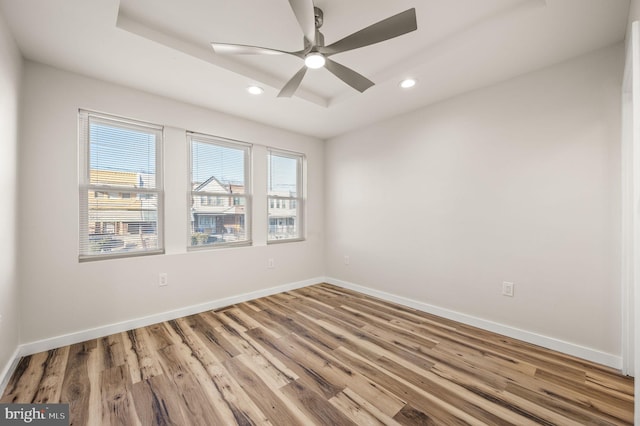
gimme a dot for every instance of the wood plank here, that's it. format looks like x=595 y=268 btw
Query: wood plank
x=245 y=410
x=24 y=383
x=320 y=355
x=52 y=377
x=463 y=395
x=359 y=410
x=311 y=378
x=440 y=410
x=139 y=352
x=315 y=310
x=157 y=404
x=198 y=407
x=93 y=359
x=112 y=351
x=244 y=308
x=344 y=376
x=373 y=346
x=130 y=358
x=231 y=402
x=410 y=416
x=159 y=336
x=221 y=348
x=582 y=398
x=303 y=327
x=612 y=384
x=117 y=398
x=266 y=398
x=269 y=363
x=237 y=316
x=316 y=407
x=607 y=402
x=565 y=408
x=500 y=397
x=76 y=385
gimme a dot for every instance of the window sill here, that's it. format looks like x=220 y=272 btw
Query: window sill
x=288 y=240
x=92 y=258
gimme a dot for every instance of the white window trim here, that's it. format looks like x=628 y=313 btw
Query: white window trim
x=300 y=198
x=248 y=195
x=84 y=116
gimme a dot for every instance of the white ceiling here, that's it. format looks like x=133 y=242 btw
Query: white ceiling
x=162 y=46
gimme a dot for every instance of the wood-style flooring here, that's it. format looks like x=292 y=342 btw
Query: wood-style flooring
x=321 y=355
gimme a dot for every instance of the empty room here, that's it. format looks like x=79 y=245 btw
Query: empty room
x=319 y=212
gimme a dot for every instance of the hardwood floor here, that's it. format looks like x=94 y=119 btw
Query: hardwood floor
x=319 y=355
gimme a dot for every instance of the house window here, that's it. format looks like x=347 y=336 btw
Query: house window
x=220 y=175
x=120 y=183
x=285 y=196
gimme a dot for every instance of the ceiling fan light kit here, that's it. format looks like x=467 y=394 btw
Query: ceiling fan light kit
x=314 y=60
x=316 y=55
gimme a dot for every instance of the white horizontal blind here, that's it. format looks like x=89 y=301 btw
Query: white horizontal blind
x=284 y=194
x=121 y=194
x=220 y=192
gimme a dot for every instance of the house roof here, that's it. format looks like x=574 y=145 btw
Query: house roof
x=208 y=182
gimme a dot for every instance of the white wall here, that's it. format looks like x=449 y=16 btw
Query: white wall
x=10 y=74
x=63 y=296
x=517 y=182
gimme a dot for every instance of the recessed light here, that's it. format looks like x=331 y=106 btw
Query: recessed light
x=407 y=83
x=255 y=90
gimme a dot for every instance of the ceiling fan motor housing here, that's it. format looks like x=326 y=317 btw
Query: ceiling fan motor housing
x=319 y=15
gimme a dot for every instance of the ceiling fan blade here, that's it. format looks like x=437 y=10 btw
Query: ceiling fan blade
x=394 y=26
x=303 y=9
x=292 y=85
x=349 y=76
x=241 y=49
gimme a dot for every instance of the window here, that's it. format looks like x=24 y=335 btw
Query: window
x=219 y=175
x=285 y=196
x=120 y=183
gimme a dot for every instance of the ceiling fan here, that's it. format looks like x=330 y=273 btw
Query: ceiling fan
x=316 y=55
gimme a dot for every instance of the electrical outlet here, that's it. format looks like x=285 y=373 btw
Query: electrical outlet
x=507 y=289
x=271 y=264
x=346 y=260
x=163 y=279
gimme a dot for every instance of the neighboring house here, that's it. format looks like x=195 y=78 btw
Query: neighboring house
x=216 y=211
x=282 y=215
x=122 y=215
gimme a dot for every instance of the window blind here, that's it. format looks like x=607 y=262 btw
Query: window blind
x=284 y=193
x=220 y=192
x=121 y=194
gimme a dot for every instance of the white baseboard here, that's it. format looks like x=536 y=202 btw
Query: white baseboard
x=94 y=333
x=8 y=370
x=589 y=354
